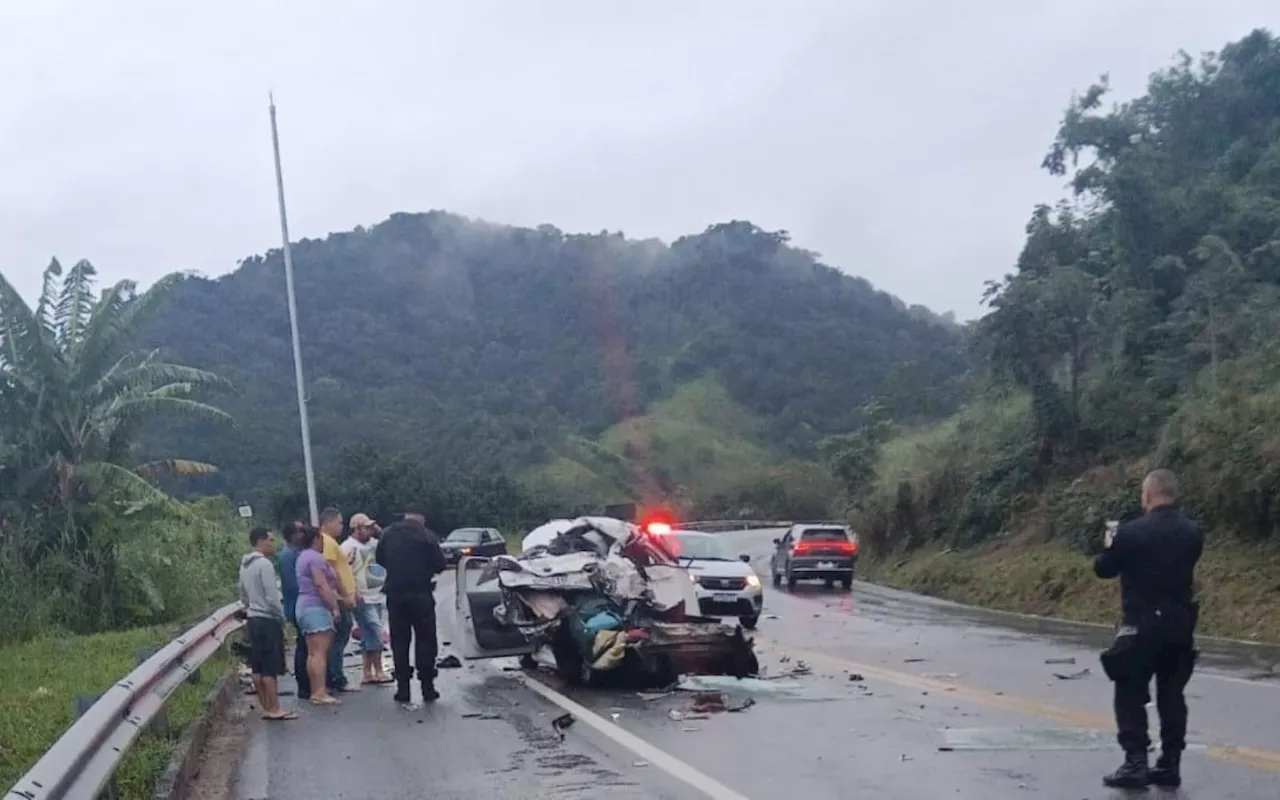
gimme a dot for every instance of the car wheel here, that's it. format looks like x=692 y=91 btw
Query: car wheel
x=846 y=583
x=569 y=663
x=792 y=580
x=777 y=578
x=749 y=622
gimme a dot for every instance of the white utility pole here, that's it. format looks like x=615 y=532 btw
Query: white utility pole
x=293 y=325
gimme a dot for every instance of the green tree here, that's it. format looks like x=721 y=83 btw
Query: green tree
x=73 y=399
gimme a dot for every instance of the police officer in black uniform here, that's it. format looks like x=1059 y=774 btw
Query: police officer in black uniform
x=1155 y=558
x=411 y=554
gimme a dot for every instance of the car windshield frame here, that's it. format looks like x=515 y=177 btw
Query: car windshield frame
x=476 y=534
x=715 y=548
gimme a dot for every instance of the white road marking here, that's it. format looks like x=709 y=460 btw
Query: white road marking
x=620 y=736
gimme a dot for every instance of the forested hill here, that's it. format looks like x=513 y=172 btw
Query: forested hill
x=472 y=343
x=1139 y=328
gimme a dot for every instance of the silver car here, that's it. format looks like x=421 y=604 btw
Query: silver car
x=726 y=584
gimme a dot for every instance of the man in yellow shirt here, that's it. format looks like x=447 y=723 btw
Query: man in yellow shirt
x=331 y=529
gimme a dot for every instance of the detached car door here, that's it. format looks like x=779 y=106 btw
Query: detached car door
x=474 y=601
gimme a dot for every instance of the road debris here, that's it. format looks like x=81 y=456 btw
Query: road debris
x=1068 y=660
x=1073 y=675
x=856 y=677
x=561 y=724
x=740 y=706
x=913 y=660
x=708 y=702
x=481 y=715
x=449 y=662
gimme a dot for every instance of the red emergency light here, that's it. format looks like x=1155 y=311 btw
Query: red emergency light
x=656 y=524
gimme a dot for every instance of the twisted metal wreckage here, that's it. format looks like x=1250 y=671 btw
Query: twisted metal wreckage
x=609 y=601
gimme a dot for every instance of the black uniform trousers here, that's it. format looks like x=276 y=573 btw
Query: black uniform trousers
x=413 y=616
x=1171 y=665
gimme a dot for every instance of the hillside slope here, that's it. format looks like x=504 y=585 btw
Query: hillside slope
x=1139 y=330
x=480 y=344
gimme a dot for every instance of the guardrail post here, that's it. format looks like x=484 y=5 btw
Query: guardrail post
x=159 y=724
x=80 y=704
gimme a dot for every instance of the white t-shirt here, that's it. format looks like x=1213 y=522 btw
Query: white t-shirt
x=361 y=557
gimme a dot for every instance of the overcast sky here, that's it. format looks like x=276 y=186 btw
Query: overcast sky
x=899 y=139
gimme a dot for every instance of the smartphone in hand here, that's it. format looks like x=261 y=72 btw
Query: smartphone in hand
x=1112 y=527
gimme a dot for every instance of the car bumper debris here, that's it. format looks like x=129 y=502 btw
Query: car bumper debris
x=610 y=602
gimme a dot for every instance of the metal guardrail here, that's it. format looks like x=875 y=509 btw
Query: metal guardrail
x=720 y=525
x=82 y=762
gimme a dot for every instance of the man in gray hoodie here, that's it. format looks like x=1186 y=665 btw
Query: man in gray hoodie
x=260 y=594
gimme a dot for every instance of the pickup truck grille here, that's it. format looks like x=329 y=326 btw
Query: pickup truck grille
x=724 y=584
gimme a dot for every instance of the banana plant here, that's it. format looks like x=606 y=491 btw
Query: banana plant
x=75 y=394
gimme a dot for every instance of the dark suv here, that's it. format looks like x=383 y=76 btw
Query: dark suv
x=815 y=551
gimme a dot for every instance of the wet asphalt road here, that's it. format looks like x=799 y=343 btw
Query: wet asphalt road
x=893 y=678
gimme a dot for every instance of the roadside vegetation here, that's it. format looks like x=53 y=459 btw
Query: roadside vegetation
x=42 y=676
x=1141 y=327
x=96 y=560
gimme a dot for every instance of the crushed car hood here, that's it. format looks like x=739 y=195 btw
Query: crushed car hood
x=618 y=590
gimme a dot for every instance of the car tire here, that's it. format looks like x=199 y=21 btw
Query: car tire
x=792 y=580
x=569 y=663
x=749 y=623
x=846 y=583
x=777 y=578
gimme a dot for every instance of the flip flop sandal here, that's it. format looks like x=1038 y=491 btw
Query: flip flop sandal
x=286 y=716
x=327 y=701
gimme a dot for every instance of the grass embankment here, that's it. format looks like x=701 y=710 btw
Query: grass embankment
x=1239 y=584
x=42 y=677
x=957 y=513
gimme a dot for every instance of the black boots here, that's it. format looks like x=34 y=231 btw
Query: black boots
x=1168 y=771
x=429 y=692
x=1132 y=774
x=402 y=687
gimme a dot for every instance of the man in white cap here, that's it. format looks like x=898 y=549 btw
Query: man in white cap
x=360 y=549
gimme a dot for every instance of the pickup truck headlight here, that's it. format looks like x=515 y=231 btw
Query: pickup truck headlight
x=753 y=582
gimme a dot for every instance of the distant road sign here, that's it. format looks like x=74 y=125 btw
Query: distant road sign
x=246 y=511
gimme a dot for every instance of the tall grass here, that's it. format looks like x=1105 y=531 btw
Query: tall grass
x=146 y=571
x=956 y=480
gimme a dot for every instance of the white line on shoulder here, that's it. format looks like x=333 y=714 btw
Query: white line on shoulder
x=658 y=758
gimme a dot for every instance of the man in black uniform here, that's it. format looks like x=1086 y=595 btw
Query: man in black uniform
x=1155 y=557
x=412 y=557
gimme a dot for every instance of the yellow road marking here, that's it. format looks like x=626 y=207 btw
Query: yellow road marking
x=1266 y=760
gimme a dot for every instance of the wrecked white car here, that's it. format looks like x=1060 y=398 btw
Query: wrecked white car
x=609 y=601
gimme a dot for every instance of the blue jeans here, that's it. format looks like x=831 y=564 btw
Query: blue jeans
x=336 y=677
x=369 y=617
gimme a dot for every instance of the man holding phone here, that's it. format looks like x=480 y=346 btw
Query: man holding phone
x=1155 y=557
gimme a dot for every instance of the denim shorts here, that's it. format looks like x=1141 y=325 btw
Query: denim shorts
x=368 y=617
x=314 y=619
